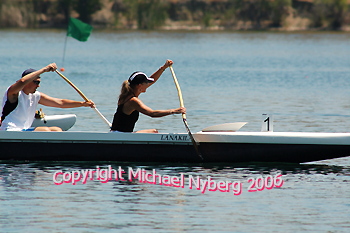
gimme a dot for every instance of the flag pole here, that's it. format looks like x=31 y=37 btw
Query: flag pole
x=64 y=53
x=79 y=31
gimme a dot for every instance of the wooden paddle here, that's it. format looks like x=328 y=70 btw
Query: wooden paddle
x=183 y=114
x=84 y=97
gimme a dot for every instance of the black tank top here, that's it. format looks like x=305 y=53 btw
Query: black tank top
x=123 y=122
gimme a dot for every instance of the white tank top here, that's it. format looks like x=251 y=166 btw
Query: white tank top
x=23 y=115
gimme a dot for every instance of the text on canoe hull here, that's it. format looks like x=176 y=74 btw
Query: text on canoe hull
x=170 y=137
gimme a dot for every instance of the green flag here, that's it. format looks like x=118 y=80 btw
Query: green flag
x=79 y=30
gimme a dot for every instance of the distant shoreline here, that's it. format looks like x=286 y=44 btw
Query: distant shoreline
x=184 y=30
x=181 y=15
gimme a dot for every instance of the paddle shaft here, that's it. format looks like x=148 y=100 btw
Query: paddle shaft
x=84 y=97
x=183 y=114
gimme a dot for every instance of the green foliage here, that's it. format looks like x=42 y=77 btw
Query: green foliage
x=229 y=17
x=257 y=11
x=253 y=10
x=41 y=6
x=329 y=13
x=279 y=10
x=339 y=9
x=66 y=7
x=130 y=11
x=86 y=8
x=207 y=19
x=319 y=14
x=151 y=14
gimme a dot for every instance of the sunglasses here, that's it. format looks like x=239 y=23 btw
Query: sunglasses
x=36 y=82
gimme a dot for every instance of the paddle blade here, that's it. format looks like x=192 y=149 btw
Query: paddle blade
x=192 y=139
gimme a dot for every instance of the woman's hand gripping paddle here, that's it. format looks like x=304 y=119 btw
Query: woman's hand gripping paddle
x=84 y=97
x=183 y=114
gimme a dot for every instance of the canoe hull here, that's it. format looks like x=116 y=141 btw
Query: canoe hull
x=104 y=152
x=233 y=147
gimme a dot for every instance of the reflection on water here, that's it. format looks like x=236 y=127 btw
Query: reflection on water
x=308 y=191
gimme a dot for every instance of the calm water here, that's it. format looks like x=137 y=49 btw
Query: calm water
x=303 y=80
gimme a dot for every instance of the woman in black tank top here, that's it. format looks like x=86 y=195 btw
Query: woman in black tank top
x=129 y=104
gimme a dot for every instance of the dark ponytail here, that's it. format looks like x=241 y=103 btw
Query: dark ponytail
x=125 y=92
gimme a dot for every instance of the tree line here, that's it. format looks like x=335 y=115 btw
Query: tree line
x=153 y=14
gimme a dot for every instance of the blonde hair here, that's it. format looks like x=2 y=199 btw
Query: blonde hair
x=125 y=92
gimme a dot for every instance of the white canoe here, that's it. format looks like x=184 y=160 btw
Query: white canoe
x=222 y=147
x=65 y=122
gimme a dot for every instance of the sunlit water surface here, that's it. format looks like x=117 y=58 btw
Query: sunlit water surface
x=303 y=80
